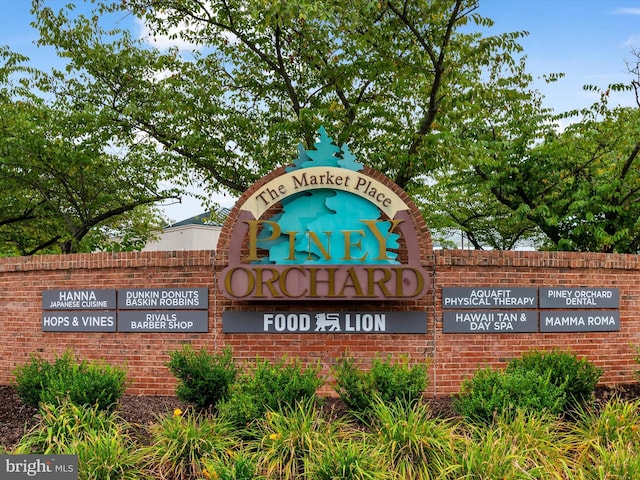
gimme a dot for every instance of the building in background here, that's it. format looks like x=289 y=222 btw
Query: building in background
x=200 y=232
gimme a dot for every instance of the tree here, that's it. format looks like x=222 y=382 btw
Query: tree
x=419 y=90
x=575 y=190
x=581 y=187
x=387 y=77
x=66 y=184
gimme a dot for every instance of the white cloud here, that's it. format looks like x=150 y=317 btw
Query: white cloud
x=173 y=39
x=164 y=42
x=627 y=11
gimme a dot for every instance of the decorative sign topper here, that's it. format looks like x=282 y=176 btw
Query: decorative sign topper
x=324 y=230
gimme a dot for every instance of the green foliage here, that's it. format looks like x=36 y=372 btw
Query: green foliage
x=32 y=378
x=67 y=184
x=239 y=465
x=577 y=377
x=390 y=381
x=181 y=442
x=83 y=383
x=234 y=110
x=270 y=387
x=62 y=425
x=401 y=440
x=413 y=444
x=498 y=393
x=289 y=438
x=204 y=379
x=108 y=456
x=467 y=135
x=349 y=459
x=636 y=358
x=100 y=439
x=607 y=440
x=527 y=445
x=552 y=381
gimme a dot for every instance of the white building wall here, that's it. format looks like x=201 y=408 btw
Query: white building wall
x=186 y=237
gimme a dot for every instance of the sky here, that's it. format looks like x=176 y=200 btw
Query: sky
x=587 y=40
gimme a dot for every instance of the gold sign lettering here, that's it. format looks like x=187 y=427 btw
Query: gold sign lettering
x=355 y=282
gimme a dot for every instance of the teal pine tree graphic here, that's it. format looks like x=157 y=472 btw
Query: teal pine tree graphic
x=325 y=226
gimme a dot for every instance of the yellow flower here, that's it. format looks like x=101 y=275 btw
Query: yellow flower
x=177 y=412
x=275 y=436
x=213 y=474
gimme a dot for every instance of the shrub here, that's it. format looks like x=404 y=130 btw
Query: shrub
x=577 y=378
x=84 y=383
x=204 y=379
x=31 y=379
x=390 y=382
x=270 y=387
x=492 y=393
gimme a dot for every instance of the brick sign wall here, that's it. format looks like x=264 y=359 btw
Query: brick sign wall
x=594 y=310
x=455 y=354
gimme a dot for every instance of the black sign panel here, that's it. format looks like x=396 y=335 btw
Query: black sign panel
x=88 y=299
x=491 y=298
x=580 y=321
x=490 y=321
x=559 y=297
x=79 y=321
x=324 y=322
x=163 y=298
x=168 y=321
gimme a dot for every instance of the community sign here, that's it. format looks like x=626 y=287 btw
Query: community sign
x=324 y=228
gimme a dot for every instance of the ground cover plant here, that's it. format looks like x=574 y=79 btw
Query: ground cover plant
x=309 y=439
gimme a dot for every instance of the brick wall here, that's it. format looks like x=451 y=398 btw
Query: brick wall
x=458 y=355
x=23 y=279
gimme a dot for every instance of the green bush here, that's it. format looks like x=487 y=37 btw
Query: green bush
x=83 y=383
x=390 y=382
x=498 y=393
x=270 y=387
x=552 y=381
x=204 y=379
x=31 y=379
x=577 y=378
